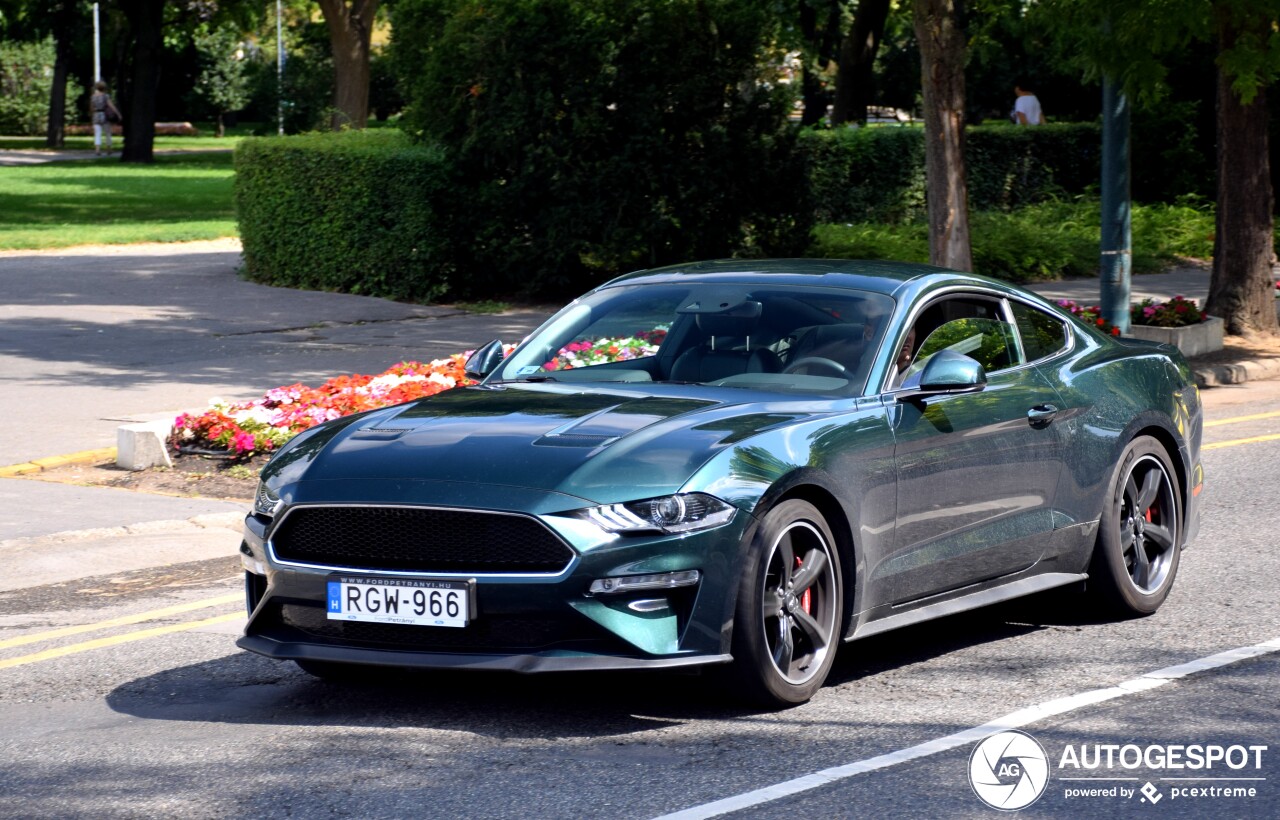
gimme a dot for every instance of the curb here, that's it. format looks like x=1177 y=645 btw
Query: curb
x=1221 y=375
x=42 y=464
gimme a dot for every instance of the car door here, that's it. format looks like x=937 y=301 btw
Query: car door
x=976 y=472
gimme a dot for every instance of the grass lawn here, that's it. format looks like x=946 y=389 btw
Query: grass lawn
x=59 y=204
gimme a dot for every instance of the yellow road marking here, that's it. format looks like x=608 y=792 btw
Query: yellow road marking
x=123 y=620
x=1236 y=441
x=1238 y=419
x=50 y=654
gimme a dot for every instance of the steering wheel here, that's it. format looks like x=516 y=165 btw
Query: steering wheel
x=819 y=361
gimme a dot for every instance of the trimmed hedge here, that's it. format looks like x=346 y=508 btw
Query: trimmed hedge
x=877 y=174
x=374 y=213
x=358 y=212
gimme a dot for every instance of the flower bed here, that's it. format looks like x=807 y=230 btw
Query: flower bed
x=241 y=430
x=1089 y=315
x=238 y=431
x=1177 y=312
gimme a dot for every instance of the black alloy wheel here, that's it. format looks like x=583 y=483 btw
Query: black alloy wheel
x=790 y=601
x=1139 y=538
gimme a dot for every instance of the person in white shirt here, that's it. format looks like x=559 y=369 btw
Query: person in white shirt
x=1026 y=110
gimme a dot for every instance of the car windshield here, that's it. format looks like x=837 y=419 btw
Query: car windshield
x=784 y=338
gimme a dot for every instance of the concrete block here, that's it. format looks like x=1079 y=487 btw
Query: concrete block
x=1192 y=340
x=141 y=445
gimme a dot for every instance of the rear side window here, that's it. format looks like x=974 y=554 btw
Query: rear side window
x=1042 y=334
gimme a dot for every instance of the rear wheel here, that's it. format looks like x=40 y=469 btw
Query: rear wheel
x=1139 y=537
x=786 y=626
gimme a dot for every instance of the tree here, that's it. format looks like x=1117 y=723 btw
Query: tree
x=146 y=24
x=1241 y=290
x=857 y=57
x=1131 y=42
x=224 y=78
x=350 y=25
x=942 y=56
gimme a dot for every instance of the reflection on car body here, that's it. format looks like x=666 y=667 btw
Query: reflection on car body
x=722 y=464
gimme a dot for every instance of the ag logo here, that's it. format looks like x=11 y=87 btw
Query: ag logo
x=1009 y=770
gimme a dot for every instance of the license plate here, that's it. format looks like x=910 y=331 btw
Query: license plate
x=413 y=601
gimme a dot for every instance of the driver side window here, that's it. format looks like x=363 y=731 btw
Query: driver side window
x=973 y=327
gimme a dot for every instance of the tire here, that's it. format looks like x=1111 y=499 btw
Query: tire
x=786 y=625
x=1139 y=537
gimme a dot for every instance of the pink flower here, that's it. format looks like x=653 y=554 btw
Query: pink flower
x=242 y=442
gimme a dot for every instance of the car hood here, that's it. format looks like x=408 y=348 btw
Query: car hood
x=599 y=444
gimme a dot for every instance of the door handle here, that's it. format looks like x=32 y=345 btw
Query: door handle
x=1041 y=415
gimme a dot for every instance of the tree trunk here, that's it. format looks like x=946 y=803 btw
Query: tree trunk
x=857 y=58
x=1241 y=290
x=146 y=23
x=942 y=54
x=64 y=23
x=350 y=25
x=222 y=128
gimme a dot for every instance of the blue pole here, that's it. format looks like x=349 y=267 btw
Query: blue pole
x=1117 y=232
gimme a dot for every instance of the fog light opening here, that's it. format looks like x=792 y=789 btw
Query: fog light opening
x=632 y=583
x=647 y=605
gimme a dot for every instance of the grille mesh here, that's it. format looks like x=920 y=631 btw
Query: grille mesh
x=414 y=539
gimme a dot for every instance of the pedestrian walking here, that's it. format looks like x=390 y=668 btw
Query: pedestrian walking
x=1026 y=108
x=104 y=115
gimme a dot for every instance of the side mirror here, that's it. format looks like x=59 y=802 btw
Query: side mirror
x=950 y=372
x=484 y=361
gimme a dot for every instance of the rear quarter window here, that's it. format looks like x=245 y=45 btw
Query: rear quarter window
x=1042 y=334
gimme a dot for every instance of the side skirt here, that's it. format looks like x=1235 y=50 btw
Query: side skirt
x=964 y=603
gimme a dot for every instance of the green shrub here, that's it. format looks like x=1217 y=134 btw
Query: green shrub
x=1048 y=240
x=26 y=78
x=597 y=136
x=858 y=175
x=360 y=212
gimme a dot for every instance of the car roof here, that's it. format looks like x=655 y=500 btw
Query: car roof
x=880 y=276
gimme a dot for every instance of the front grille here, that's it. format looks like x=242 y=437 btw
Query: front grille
x=489 y=633
x=417 y=539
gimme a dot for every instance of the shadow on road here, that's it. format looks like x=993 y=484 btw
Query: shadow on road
x=246 y=688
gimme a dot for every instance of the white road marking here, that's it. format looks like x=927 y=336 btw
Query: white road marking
x=1013 y=720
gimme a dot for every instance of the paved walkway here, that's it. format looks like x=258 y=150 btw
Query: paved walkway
x=1192 y=282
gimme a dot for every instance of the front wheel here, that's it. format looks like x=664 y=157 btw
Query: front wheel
x=790 y=598
x=1139 y=537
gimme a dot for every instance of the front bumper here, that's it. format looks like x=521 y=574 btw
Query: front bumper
x=523 y=623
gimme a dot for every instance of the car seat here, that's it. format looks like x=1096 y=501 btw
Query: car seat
x=724 y=351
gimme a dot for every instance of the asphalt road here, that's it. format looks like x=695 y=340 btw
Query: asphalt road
x=165 y=717
x=122 y=694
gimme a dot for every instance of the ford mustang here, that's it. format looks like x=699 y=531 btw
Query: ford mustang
x=736 y=464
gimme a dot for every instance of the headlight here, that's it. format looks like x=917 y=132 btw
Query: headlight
x=670 y=513
x=265 y=502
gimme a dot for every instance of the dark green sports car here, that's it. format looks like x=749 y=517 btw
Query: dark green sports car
x=739 y=464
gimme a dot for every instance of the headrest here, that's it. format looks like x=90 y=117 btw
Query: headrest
x=718 y=324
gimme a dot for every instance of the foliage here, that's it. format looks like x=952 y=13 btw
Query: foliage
x=263 y=425
x=26 y=78
x=592 y=137
x=1177 y=312
x=361 y=212
x=1134 y=41
x=223 y=80
x=878 y=173
x=1049 y=240
x=1091 y=316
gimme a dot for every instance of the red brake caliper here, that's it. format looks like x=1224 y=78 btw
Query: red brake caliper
x=806 y=600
